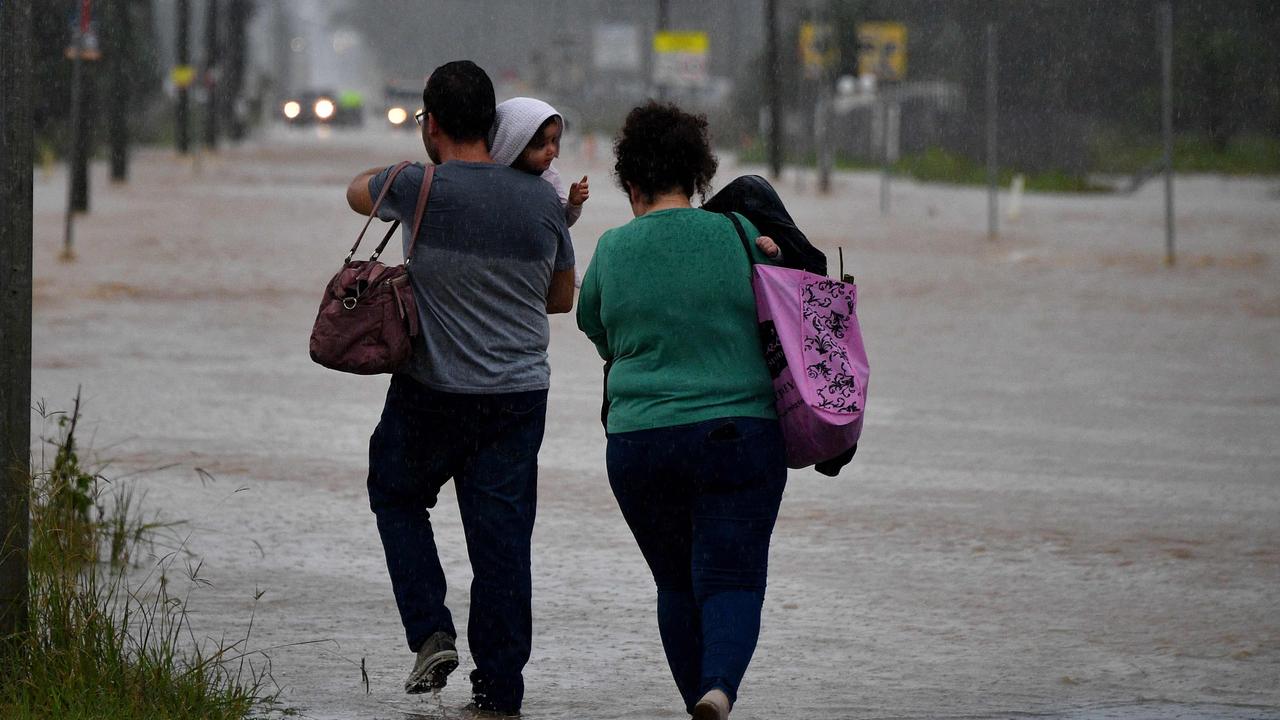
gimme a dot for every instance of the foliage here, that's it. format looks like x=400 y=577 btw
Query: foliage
x=98 y=643
x=937 y=165
x=1248 y=154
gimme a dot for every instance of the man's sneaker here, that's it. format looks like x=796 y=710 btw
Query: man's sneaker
x=713 y=706
x=475 y=712
x=436 y=659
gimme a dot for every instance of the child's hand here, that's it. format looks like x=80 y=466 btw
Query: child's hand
x=579 y=192
x=768 y=247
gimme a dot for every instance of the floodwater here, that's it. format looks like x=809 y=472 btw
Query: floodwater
x=1066 y=503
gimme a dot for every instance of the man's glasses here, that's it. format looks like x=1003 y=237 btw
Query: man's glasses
x=419 y=117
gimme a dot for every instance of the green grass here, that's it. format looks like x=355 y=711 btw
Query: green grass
x=936 y=165
x=102 y=642
x=1244 y=155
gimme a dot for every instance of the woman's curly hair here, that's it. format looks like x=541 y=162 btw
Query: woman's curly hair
x=661 y=148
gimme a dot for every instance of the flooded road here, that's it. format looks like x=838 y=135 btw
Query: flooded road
x=1066 y=503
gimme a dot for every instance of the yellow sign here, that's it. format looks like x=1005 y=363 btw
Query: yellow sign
x=182 y=75
x=679 y=41
x=680 y=58
x=882 y=50
x=818 y=48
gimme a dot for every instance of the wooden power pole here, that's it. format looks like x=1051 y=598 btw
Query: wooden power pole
x=15 y=311
x=119 y=41
x=773 y=82
x=182 y=78
x=212 y=70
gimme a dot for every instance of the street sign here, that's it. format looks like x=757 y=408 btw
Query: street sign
x=882 y=50
x=818 y=48
x=617 y=47
x=182 y=76
x=84 y=45
x=680 y=58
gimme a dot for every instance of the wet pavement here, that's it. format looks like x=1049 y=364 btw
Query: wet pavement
x=1066 y=503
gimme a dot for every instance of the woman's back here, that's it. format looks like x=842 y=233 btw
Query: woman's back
x=668 y=299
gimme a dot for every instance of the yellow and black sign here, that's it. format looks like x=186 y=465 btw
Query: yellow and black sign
x=680 y=58
x=818 y=48
x=882 y=50
x=182 y=76
x=681 y=41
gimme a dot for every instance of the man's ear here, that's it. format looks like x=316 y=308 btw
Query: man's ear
x=433 y=127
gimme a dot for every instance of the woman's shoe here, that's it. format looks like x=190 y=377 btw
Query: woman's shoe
x=713 y=706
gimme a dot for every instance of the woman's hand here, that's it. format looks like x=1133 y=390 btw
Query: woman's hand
x=768 y=247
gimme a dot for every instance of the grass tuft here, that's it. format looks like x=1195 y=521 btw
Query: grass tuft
x=102 y=642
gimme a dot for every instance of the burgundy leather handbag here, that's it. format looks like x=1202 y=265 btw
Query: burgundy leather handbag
x=368 y=317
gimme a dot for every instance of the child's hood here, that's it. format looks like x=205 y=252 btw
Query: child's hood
x=514 y=125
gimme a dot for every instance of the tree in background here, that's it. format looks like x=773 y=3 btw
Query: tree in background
x=51 y=34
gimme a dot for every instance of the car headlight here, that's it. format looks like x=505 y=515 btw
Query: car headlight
x=292 y=109
x=397 y=115
x=324 y=108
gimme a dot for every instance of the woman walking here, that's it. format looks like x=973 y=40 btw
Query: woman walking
x=695 y=455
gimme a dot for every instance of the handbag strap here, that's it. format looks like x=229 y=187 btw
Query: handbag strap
x=424 y=193
x=742 y=235
x=374 y=211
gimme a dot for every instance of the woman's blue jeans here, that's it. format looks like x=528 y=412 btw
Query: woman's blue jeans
x=701 y=501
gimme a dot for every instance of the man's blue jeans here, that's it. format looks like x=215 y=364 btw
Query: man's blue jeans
x=488 y=444
x=701 y=501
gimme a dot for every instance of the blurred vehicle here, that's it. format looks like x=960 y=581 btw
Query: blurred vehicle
x=322 y=107
x=402 y=102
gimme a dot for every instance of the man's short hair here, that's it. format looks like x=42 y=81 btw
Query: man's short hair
x=460 y=96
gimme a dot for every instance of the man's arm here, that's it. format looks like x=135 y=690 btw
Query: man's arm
x=358 y=196
x=560 y=294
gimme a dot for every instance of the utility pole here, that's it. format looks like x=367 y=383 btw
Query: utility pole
x=83 y=48
x=237 y=21
x=119 y=35
x=773 y=81
x=993 y=108
x=211 y=71
x=16 y=171
x=1166 y=64
x=182 y=77
x=664 y=23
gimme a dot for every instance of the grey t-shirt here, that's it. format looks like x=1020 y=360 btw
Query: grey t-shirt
x=480 y=272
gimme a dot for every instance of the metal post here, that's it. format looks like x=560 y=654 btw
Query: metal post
x=822 y=135
x=774 y=90
x=993 y=109
x=182 y=114
x=212 y=69
x=1166 y=41
x=886 y=169
x=15 y=311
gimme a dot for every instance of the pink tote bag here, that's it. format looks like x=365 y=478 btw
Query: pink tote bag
x=813 y=347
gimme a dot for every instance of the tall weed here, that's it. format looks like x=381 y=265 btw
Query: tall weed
x=108 y=637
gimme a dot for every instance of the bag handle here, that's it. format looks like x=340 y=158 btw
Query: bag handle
x=374 y=211
x=742 y=235
x=424 y=192
x=419 y=211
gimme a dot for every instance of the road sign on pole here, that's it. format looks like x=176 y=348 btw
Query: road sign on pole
x=882 y=50
x=680 y=58
x=818 y=49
